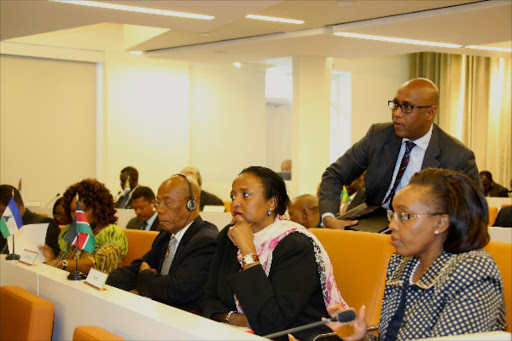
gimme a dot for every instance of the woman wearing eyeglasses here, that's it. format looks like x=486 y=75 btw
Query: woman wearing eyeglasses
x=439 y=282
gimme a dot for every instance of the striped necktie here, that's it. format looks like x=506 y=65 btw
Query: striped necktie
x=171 y=249
x=409 y=145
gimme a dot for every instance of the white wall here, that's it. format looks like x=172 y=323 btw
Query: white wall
x=48 y=124
x=374 y=82
x=228 y=123
x=145 y=118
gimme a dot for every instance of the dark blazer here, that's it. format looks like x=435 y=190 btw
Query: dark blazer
x=119 y=202
x=52 y=234
x=136 y=224
x=377 y=153
x=209 y=199
x=183 y=286
x=504 y=218
x=498 y=190
x=289 y=297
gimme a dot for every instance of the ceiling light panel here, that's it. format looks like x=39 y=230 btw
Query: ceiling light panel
x=136 y=9
x=396 y=40
x=488 y=48
x=276 y=19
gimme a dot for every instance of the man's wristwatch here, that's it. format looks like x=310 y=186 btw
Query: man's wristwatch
x=64 y=264
x=249 y=259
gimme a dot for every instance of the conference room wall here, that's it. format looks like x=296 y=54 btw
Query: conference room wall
x=47 y=124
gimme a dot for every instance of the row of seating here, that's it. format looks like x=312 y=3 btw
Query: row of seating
x=26 y=316
x=359 y=260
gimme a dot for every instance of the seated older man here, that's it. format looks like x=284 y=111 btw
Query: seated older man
x=175 y=270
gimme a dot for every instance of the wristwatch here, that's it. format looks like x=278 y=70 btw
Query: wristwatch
x=249 y=259
x=64 y=264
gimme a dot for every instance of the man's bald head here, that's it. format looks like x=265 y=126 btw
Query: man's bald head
x=304 y=210
x=426 y=86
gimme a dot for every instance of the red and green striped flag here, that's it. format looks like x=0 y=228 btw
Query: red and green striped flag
x=80 y=233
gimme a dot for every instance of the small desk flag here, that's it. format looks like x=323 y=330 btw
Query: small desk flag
x=80 y=233
x=344 y=197
x=11 y=219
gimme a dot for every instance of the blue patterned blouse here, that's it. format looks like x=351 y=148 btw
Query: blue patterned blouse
x=459 y=294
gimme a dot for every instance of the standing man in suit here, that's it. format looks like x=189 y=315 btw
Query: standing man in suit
x=206 y=197
x=129 y=176
x=389 y=157
x=28 y=217
x=175 y=270
x=143 y=199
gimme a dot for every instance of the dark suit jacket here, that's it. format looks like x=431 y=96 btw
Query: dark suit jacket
x=52 y=234
x=120 y=200
x=504 y=218
x=183 y=286
x=290 y=296
x=209 y=199
x=498 y=190
x=377 y=153
x=136 y=224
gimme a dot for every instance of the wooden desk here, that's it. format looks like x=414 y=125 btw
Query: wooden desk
x=127 y=315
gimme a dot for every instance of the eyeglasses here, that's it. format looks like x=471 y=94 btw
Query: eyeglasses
x=406 y=108
x=402 y=217
x=165 y=205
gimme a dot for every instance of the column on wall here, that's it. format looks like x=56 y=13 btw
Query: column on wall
x=311 y=117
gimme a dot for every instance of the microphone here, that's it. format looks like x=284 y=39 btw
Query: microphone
x=49 y=202
x=344 y=316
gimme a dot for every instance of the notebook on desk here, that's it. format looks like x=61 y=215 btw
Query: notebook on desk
x=370 y=218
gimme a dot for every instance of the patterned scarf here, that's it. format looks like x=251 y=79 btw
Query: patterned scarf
x=266 y=241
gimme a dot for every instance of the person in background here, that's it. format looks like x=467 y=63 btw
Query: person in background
x=491 y=188
x=129 y=176
x=439 y=281
x=504 y=218
x=304 y=210
x=28 y=217
x=175 y=269
x=143 y=199
x=286 y=169
x=111 y=244
x=206 y=198
x=59 y=214
x=268 y=274
x=392 y=152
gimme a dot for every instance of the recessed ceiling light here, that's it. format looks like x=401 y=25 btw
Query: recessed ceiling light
x=136 y=9
x=237 y=65
x=396 y=40
x=266 y=18
x=344 y=3
x=488 y=48
x=137 y=52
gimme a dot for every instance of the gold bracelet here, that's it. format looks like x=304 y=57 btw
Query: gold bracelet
x=228 y=316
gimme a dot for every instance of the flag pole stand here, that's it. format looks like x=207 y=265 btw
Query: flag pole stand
x=76 y=275
x=13 y=255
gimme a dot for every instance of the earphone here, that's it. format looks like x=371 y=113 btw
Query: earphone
x=191 y=203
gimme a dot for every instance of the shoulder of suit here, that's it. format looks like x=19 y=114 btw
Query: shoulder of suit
x=446 y=139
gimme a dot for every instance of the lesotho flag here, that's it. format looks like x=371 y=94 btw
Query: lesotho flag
x=80 y=233
x=11 y=219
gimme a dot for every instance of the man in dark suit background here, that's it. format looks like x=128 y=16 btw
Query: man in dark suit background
x=176 y=268
x=28 y=217
x=491 y=188
x=381 y=152
x=143 y=199
x=206 y=197
x=128 y=175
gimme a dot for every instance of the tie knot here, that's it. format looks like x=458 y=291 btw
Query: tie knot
x=409 y=145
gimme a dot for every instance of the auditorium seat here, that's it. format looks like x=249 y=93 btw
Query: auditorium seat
x=94 y=333
x=359 y=260
x=24 y=315
x=493 y=213
x=139 y=242
x=501 y=252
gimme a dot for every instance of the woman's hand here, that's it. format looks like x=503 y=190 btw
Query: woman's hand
x=47 y=252
x=348 y=331
x=242 y=236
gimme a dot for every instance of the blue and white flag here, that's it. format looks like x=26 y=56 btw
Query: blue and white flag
x=11 y=219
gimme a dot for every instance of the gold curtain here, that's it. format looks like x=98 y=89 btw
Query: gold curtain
x=474 y=105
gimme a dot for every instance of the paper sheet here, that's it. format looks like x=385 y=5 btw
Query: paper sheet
x=29 y=237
